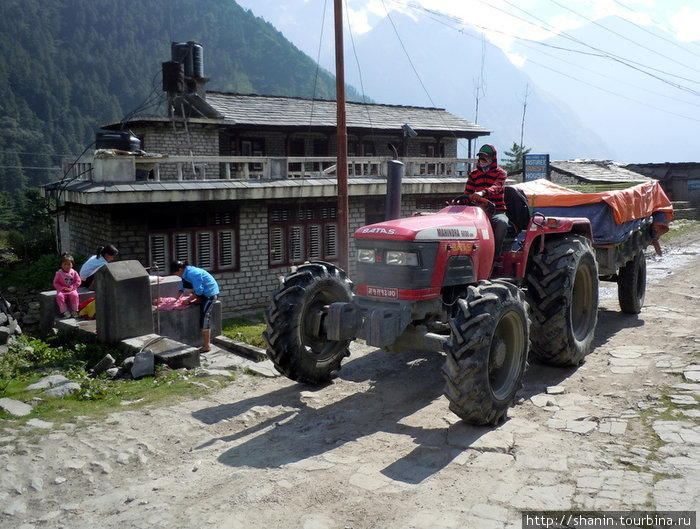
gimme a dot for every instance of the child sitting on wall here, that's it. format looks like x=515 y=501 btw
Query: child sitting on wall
x=66 y=282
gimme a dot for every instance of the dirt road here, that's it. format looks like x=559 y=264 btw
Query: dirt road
x=378 y=448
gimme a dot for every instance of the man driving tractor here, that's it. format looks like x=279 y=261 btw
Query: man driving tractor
x=488 y=181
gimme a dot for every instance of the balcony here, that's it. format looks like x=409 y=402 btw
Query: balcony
x=110 y=167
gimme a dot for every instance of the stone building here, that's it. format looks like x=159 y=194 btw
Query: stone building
x=245 y=185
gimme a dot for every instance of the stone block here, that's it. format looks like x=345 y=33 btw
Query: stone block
x=122 y=301
x=183 y=325
x=144 y=364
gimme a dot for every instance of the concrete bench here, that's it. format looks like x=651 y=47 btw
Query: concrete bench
x=163 y=287
x=181 y=325
x=48 y=308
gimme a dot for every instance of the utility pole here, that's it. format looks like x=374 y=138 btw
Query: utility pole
x=522 y=128
x=342 y=159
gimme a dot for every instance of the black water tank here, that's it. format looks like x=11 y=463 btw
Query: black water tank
x=197 y=59
x=123 y=141
x=182 y=52
x=191 y=54
x=173 y=77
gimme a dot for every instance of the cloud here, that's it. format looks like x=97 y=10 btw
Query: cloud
x=685 y=24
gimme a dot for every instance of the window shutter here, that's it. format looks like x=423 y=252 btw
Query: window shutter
x=181 y=247
x=328 y=213
x=296 y=243
x=279 y=215
x=277 y=249
x=222 y=219
x=314 y=241
x=331 y=241
x=205 y=250
x=227 y=249
x=158 y=251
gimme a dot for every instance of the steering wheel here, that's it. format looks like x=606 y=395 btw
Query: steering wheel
x=470 y=199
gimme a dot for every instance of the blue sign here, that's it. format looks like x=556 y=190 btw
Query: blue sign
x=535 y=166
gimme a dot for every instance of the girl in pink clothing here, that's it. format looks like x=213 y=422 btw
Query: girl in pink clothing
x=66 y=282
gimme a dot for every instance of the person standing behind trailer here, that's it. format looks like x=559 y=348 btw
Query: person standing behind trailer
x=488 y=180
x=103 y=255
x=205 y=288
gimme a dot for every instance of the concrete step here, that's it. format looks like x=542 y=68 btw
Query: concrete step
x=225 y=353
x=172 y=353
x=241 y=348
x=686 y=213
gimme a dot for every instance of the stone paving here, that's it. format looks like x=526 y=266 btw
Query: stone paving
x=378 y=448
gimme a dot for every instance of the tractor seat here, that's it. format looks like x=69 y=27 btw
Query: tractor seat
x=518 y=211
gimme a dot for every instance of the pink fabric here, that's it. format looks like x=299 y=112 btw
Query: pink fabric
x=66 y=285
x=173 y=303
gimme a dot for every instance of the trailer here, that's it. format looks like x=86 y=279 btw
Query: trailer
x=624 y=223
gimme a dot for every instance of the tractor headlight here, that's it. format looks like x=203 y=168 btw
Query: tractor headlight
x=365 y=256
x=401 y=258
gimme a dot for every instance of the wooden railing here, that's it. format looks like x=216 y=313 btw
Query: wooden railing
x=128 y=168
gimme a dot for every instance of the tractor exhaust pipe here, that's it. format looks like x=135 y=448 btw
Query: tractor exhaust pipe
x=393 y=190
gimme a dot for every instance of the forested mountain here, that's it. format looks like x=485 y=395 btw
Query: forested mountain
x=68 y=66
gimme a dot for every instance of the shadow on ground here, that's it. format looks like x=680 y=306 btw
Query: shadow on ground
x=295 y=428
x=401 y=385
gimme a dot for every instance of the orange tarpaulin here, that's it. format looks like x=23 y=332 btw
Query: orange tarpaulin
x=635 y=202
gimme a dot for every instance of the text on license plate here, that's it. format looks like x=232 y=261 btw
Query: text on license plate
x=383 y=292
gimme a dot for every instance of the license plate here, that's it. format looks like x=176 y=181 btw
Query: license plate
x=379 y=292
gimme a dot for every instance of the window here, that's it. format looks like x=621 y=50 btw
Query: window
x=206 y=240
x=431 y=204
x=304 y=233
x=375 y=210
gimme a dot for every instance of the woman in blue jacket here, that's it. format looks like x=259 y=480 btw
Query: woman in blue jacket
x=205 y=288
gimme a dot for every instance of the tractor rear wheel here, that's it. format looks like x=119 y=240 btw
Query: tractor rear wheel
x=487 y=352
x=632 y=284
x=296 y=341
x=562 y=289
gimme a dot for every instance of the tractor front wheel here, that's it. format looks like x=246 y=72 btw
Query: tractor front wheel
x=296 y=340
x=487 y=352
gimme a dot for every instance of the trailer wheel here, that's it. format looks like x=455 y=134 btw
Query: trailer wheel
x=487 y=352
x=632 y=284
x=295 y=336
x=562 y=290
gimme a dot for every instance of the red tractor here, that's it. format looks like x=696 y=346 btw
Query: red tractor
x=429 y=282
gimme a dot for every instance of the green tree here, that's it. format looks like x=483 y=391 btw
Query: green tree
x=513 y=158
x=33 y=235
x=8 y=214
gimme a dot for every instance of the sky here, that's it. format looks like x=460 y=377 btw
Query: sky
x=638 y=73
x=501 y=21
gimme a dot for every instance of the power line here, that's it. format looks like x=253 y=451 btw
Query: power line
x=30 y=167
x=448 y=20
x=607 y=54
x=656 y=35
x=595 y=22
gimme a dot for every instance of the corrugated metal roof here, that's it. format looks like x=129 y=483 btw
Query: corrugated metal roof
x=259 y=110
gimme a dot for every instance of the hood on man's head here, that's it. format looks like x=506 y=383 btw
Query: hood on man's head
x=487 y=149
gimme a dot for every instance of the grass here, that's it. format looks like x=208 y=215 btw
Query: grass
x=27 y=361
x=681 y=228
x=246 y=329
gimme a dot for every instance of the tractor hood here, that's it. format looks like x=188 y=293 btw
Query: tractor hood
x=452 y=222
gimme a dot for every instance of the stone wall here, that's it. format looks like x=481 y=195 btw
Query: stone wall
x=246 y=289
x=175 y=140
